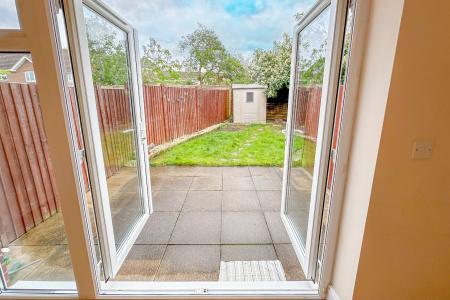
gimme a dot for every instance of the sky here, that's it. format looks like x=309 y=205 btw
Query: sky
x=242 y=25
x=8 y=15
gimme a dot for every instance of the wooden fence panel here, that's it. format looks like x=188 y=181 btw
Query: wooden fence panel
x=12 y=210
x=37 y=146
x=32 y=160
x=175 y=111
x=19 y=147
x=8 y=232
x=27 y=186
x=11 y=175
x=43 y=138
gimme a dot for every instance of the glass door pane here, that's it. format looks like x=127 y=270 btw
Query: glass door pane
x=312 y=46
x=111 y=110
x=308 y=129
x=110 y=74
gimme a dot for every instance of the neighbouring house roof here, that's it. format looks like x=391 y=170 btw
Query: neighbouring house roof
x=12 y=61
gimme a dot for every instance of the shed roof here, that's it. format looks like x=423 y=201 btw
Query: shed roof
x=252 y=86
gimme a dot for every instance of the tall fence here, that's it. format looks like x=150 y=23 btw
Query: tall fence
x=173 y=111
x=306 y=117
x=307 y=111
x=28 y=192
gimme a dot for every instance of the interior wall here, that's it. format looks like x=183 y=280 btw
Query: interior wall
x=402 y=250
x=381 y=37
x=406 y=247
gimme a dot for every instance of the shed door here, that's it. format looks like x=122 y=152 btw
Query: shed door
x=249 y=107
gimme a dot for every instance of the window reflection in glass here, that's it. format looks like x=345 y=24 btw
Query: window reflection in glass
x=312 y=47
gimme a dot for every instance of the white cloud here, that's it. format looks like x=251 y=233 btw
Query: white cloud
x=167 y=21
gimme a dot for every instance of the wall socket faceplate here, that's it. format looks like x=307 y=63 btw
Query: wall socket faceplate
x=422 y=149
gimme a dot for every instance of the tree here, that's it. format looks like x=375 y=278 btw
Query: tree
x=203 y=48
x=272 y=67
x=233 y=71
x=158 y=65
x=226 y=69
x=313 y=66
x=345 y=56
x=208 y=58
x=107 y=54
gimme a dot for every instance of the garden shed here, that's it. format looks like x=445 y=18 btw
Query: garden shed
x=249 y=103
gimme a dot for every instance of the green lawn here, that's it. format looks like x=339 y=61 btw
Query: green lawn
x=235 y=145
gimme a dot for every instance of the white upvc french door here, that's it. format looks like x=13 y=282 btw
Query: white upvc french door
x=104 y=51
x=315 y=64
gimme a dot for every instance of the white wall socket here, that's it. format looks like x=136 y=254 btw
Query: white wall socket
x=422 y=149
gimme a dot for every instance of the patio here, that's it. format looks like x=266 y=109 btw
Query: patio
x=202 y=216
x=210 y=214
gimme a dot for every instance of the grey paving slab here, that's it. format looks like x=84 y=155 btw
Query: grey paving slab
x=49 y=232
x=190 y=263
x=263 y=171
x=240 y=201
x=270 y=200
x=208 y=183
x=158 y=228
x=235 y=171
x=238 y=183
x=182 y=171
x=131 y=186
x=197 y=228
x=172 y=183
x=26 y=255
x=247 y=252
x=299 y=199
x=266 y=183
x=168 y=200
x=288 y=258
x=279 y=171
x=208 y=171
x=276 y=227
x=203 y=201
x=300 y=179
x=160 y=171
x=56 y=266
x=300 y=221
x=141 y=263
x=244 y=228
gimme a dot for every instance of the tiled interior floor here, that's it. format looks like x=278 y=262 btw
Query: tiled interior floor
x=203 y=215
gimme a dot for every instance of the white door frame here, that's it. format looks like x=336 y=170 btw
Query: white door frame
x=308 y=255
x=37 y=36
x=112 y=256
